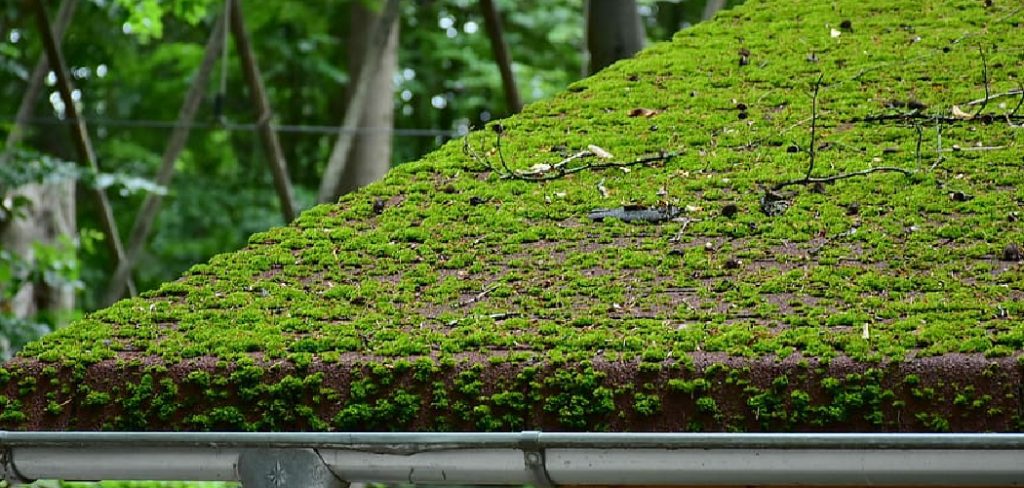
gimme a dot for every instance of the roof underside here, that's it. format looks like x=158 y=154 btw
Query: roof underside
x=459 y=294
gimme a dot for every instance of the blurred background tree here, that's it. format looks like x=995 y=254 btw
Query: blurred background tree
x=132 y=61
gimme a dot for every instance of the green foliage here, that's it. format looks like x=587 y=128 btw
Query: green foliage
x=24 y=167
x=145 y=17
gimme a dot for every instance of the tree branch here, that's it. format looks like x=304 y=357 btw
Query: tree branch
x=1019 y=102
x=984 y=77
x=843 y=176
x=808 y=179
x=993 y=97
x=260 y=100
x=814 y=123
x=545 y=172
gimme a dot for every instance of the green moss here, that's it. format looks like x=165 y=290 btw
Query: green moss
x=690 y=387
x=707 y=405
x=12 y=411
x=422 y=235
x=855 y=395
x=578 y=398
x=391 y=413
x=933 y=421
x=646 y=404
x=26 y=385
x=465 y=262
x=54 y=408
x=96 y=399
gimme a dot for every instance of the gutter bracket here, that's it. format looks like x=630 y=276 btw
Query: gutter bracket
x=533 y=458
x=285 y=468
x=8 y=472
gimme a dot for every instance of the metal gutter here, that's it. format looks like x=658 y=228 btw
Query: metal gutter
x=526 y=458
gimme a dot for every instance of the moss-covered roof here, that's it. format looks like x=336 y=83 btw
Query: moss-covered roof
x=451 y=296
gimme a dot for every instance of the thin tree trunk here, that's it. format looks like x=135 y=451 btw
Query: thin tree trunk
x=150 y=207
x=614 y=31
x=271 y=145
x=370 y=157
x=670 y=17
x=333 y=183
x=711 y=7
x=49 y=216
x=492 y=20
x=79 y=133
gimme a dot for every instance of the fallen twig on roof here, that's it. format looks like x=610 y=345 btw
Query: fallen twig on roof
x=770 y=203
x=545 y=171
x=984 y=77
x=994 y=96
x=843 y=176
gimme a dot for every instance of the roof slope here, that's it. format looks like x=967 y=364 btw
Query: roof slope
x=458 y=295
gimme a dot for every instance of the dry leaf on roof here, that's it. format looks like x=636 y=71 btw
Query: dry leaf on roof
x=960 y=114
x=600 y=152
x=643 y=112
x=540 y=168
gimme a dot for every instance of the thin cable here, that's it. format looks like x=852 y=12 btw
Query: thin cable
x=233 y=127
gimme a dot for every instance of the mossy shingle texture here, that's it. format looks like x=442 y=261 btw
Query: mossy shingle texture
x=452 y=297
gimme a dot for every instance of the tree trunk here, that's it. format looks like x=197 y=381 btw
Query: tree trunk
x=51 y=207
x=492 y=20
x=614 y=31
x=711 y=8
x=49 y=216
x=370 y=156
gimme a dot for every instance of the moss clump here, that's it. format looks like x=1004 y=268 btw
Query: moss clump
x=579 y=398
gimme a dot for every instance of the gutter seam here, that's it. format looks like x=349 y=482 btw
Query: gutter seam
x=8 y=469
x=534 y=459
x=330 y=469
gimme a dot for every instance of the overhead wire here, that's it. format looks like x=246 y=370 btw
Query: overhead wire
x=235 y=127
